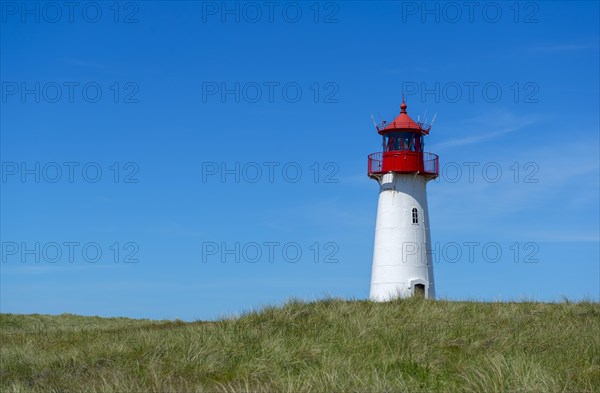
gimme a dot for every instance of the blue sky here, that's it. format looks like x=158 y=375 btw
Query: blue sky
x=145 y=93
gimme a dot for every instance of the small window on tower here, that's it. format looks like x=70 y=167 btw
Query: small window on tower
x=415 y=215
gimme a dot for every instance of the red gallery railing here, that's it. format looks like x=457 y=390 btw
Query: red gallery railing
x=404 y=161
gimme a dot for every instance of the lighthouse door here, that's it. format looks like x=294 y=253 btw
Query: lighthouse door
x=419 y=290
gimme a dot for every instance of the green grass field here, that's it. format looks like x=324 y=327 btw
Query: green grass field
x=326 y=346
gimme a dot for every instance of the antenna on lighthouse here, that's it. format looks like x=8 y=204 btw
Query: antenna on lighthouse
x=374 y=122
x=433 y=120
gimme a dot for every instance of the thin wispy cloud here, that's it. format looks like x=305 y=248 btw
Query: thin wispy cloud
x=574 y=188
x=478 y=130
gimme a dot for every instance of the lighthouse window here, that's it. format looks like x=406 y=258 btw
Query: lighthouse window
x=391 y=142
x=402 y=141
x=407 y=141
x=415 y=215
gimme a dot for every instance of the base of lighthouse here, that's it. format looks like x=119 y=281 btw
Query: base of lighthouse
x=402 y=263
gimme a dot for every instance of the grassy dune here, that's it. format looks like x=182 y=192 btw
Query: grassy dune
x=332 y=345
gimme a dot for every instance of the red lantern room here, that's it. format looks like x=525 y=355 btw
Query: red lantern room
x=403 y=148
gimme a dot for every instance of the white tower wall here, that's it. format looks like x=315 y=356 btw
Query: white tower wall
x=402 y=252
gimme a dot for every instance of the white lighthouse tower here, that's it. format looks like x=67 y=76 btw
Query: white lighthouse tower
x=402 y=263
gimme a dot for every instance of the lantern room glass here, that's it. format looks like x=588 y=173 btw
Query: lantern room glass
x=403 y=141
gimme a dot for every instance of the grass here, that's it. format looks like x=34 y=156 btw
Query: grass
x=327 y=346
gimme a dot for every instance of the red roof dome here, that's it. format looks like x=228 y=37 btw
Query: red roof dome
x=403 y=123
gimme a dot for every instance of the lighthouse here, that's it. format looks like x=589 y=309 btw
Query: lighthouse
x=402 y=263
